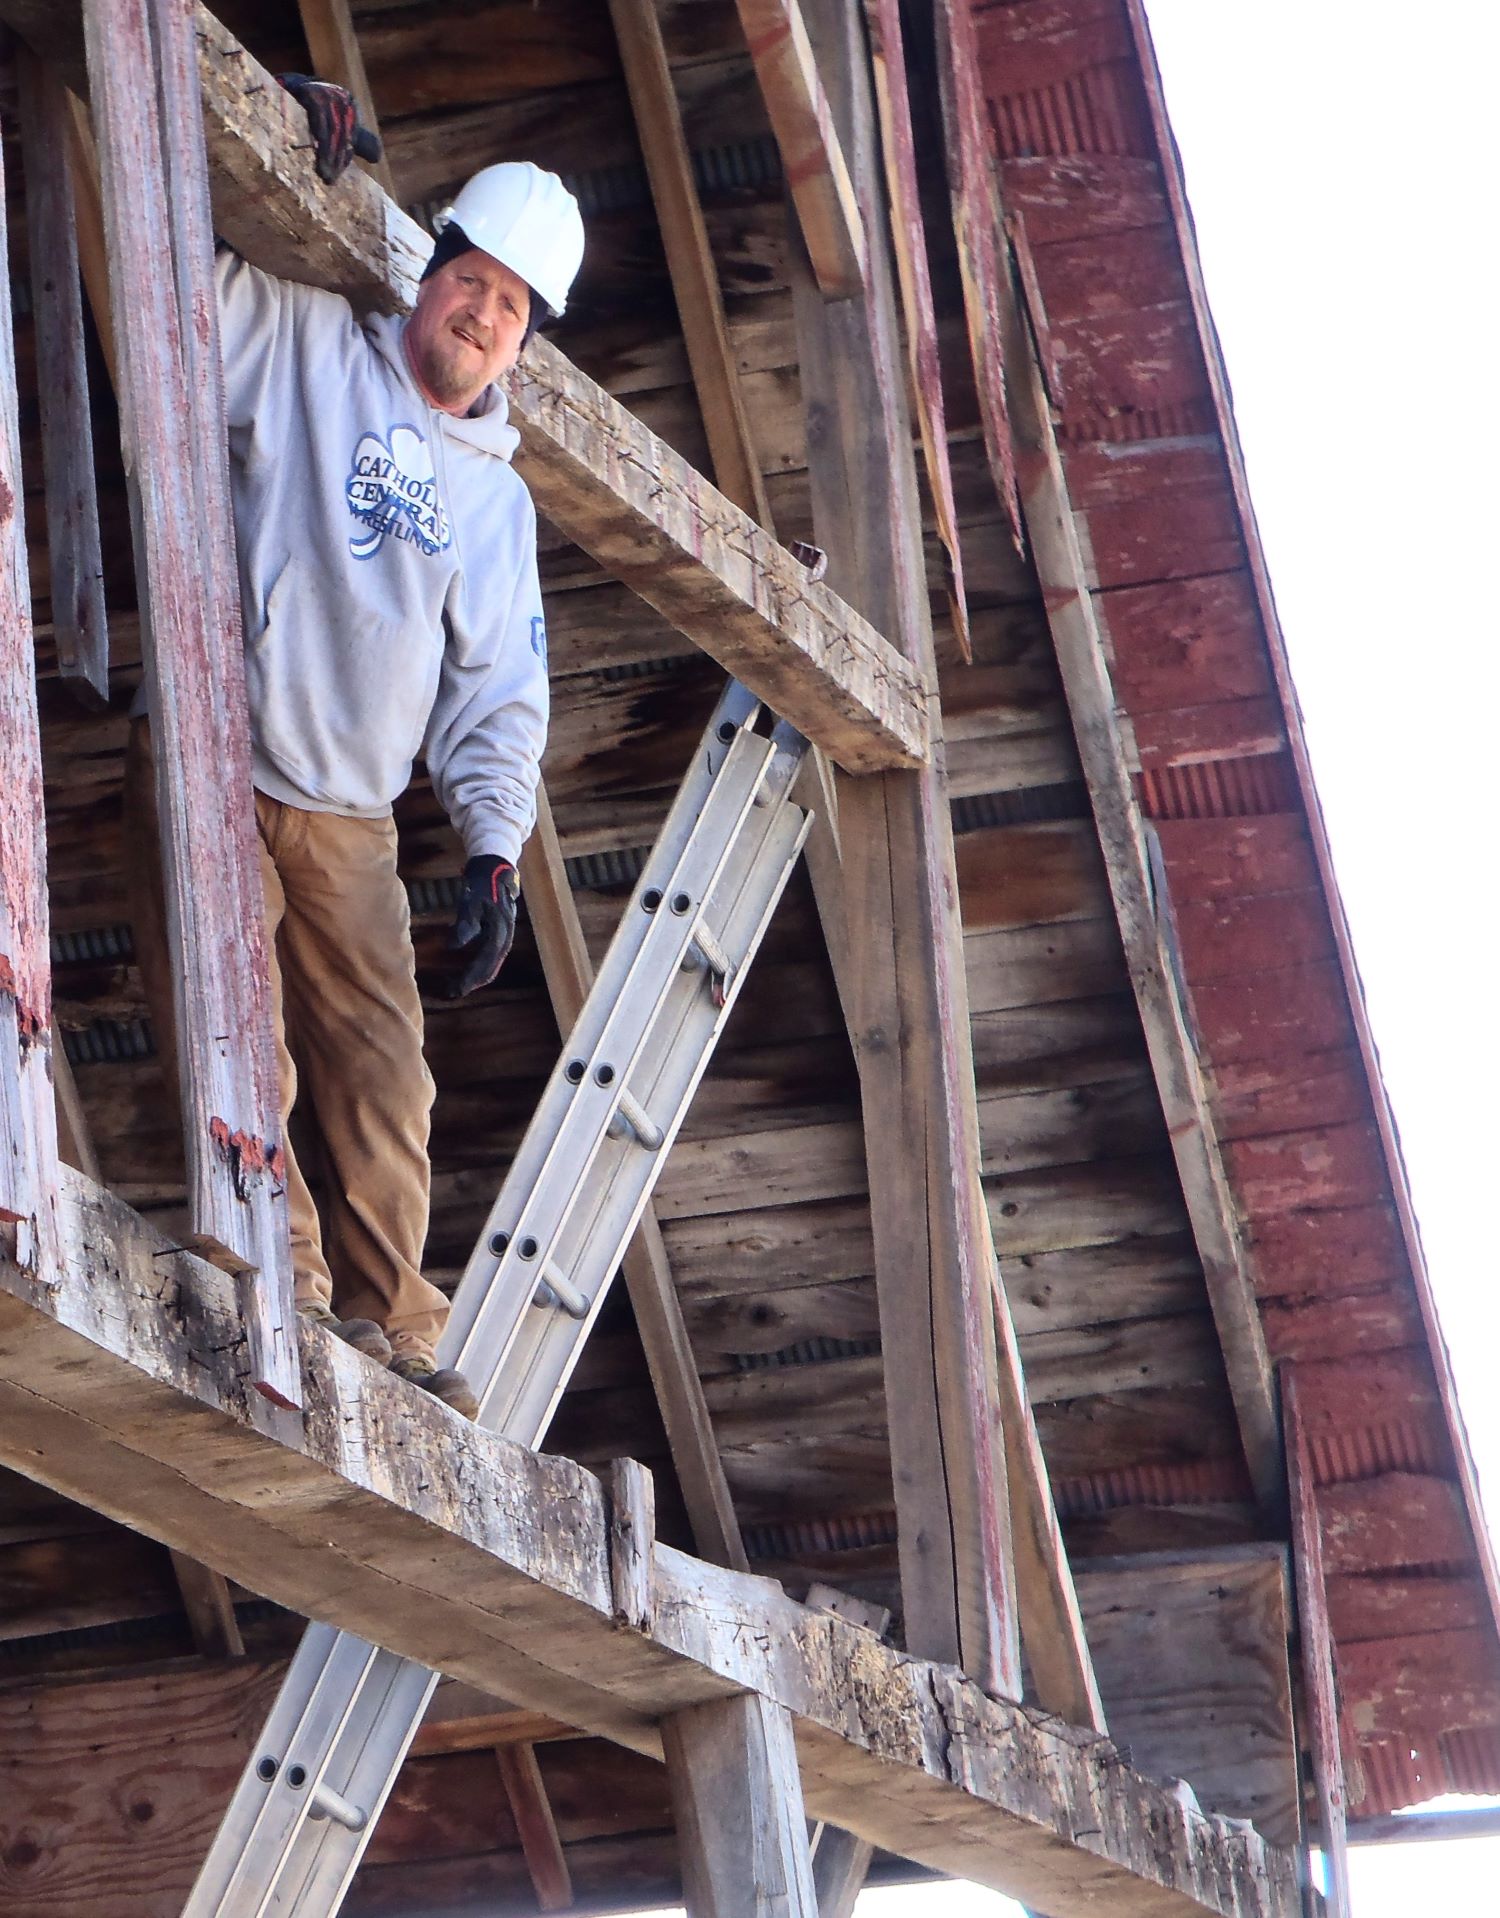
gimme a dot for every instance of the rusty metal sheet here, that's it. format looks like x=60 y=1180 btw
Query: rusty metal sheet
x=910 y=242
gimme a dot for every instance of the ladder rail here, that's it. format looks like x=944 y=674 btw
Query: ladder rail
x=347 y=1710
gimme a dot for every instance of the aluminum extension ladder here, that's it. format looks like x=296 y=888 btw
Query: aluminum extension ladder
x=309 y=1798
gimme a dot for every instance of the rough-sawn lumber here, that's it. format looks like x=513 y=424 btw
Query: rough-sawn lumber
x=127 y=1388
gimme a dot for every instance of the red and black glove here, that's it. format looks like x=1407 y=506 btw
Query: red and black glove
x=486 y=921
x=334 y=121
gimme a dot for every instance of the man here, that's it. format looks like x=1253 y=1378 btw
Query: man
x=387 y=560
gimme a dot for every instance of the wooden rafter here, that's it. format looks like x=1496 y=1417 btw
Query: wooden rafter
x=695 y=281
x=127 y=1388
x=526 y=1793
x=817 y=173
x=1079 y=632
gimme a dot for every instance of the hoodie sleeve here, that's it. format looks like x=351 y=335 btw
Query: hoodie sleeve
x=489 y=722
x=263 y=323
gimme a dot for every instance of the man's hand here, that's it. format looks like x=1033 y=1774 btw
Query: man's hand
x=486 y=921
x=334 y=121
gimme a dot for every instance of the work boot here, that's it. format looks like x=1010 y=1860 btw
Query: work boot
x=441 y=1381
x=363 y=1334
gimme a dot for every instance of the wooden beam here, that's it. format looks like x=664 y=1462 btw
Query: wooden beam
x=28 y=1117
x=737 y=1800
x=594 y=470
x=127 y=1388
x=828 y=209
x=209 y=1607
x=841 y=1859
x=1052 y=1628
x=1079 y=623
x=71 y=506
x=648 y=1273
x=155 y=195
x=909 y=244
x=979 y=233
x=906 y=985
x=695 y=280
x=541 y=1847
x=334 y=46
x=1319 y=1676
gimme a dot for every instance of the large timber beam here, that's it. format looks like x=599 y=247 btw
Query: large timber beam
x=596 y=472
x=127 y=1387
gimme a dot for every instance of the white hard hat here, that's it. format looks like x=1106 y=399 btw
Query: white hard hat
x=527 y=220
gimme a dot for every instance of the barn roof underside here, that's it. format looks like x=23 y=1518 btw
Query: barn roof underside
x=110 y=1713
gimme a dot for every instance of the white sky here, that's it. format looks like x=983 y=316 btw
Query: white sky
x=1339 y=158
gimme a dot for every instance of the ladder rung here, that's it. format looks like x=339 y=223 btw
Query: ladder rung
x=554 y=1289
x=325 y=1802
x=632 y=1116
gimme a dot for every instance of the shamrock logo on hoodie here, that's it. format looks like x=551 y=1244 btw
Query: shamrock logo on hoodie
x=392 y=492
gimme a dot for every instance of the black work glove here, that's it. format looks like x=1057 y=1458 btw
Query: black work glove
x=334 y=121
x=486 y=921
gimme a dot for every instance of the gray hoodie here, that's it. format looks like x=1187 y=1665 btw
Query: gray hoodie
x=388 y=578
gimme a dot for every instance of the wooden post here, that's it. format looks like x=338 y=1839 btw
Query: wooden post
x=28 y=1116
x=737 y=1799
x=907 y=986
x=158 y=238
x=72 y=509
x=1320 y=1685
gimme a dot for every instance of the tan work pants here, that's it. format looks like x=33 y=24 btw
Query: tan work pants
x=344 y=993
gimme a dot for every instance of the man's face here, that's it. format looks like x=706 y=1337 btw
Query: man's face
x=467 y=328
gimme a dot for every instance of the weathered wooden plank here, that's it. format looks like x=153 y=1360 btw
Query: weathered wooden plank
x=131 y=1392
x=28 y=1117
x=812 y=158
x=1191 y=1652
x=1319 y=1670
x=172 y=425
x=546 y=1861
x=695 y=282
x=79 y=629
x=737 y=1800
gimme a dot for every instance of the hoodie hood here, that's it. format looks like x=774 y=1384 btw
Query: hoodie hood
x=488 y=430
